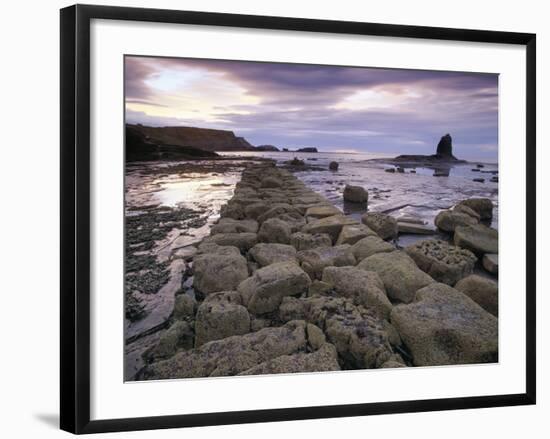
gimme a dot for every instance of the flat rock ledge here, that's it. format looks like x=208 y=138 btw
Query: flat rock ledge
x=287 y=283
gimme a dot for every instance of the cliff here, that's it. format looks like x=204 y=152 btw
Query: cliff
x=201 y=138
x=140 y=147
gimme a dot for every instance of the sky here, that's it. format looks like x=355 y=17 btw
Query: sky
x=332 y=108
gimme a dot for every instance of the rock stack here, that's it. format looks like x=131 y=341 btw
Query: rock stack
x=287 y=283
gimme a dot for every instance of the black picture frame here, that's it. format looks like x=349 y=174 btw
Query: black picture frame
x=75 y=217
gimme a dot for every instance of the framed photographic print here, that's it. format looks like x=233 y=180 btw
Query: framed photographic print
x=285 y=218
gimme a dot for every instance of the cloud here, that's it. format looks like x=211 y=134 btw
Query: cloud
x=326 y=106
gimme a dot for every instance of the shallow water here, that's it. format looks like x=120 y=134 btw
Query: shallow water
x=419 y=194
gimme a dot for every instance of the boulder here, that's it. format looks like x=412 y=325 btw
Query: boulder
x=331 y=225
x=401 y=276
x=481 y=290
x=478 y=238
x=218 y=272
x=355 y=194
x=490 y=262
x=232 y=355
x=264 y=290
x=442 y=261
x=305 y=241
x=357 y=334
x=184 y=307
x=414 y=228
x=362 y=287
x=483 y=207
x=319 y=288
x=322 y=360
x=266 y=254
x=271 y=182
x=352 y=234
x=222 y=250
x=316 y=212
x=177 y=337
x=243 y=241
x=462 y=208
x=444 y=326
x=230 y=225
x=315 y=337
x=449 y=220
x=333 y=166
x=254 y=210
x=384 y=225
x=278 y=209
x=314 y=261
x=221 y=315
x=369 y=246
x=275 y=230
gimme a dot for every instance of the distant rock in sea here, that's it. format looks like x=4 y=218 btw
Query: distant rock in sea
x=267 y=148
x=308 y=149
x=444 y=154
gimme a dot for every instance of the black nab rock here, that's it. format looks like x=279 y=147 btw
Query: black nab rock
x=445 y=148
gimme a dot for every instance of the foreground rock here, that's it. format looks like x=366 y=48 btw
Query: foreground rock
x=317 y=212
x=443 y=262
x=384 y=225
x=352 y=234
x=362 y=287
x=322 y=360
x=333 y=166
x=449 y=220
x=243 y=241
x=401 y=276
x=331 y=225
x=444 y=326
x=305 y=241
x=219 y=272
x=482 y=206
x=231 y=356
x=230 y=225
x=314 y=261
x=414 y=228
x=358 y=335
x=490 y=262
x=355 y=194
x=263 y=291
x=267 y=254
x=478 y=238
x=275 y=230
x=481 y=290
x=370 y=246
x=221 y=315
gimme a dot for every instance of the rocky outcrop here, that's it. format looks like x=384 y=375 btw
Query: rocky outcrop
x=307 y=149
x=443 y=154
x=267 y=148
x=184 y=137
x=401 y=276
x=445 y=148
x=444 y=326
x=267 y=254
x=314 y=261
x=445 y=263
x=263 y=291
x=478 y=238
x=362 y=287
x=141 y=147
x=221 y=315
x=481 y=290
x=287 y=283
x=482 y=206
x=219 y=272
x=384 y=225
x=231 y=355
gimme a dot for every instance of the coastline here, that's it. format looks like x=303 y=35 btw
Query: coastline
x=272 y=220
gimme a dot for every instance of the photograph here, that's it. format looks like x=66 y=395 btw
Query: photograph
x=299 y=218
